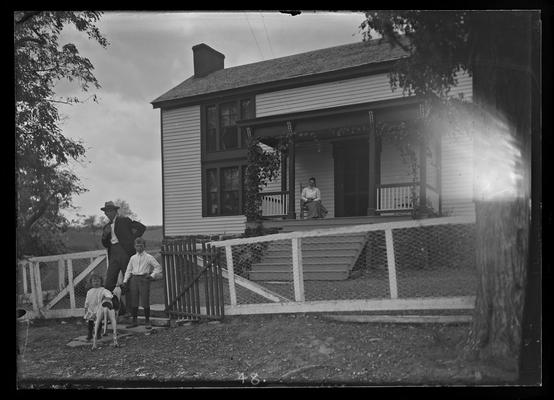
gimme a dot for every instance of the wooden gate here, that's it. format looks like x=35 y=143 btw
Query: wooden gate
x=193 y=280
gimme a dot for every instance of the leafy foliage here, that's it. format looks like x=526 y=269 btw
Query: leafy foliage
x=263 y=167
x=45 y=183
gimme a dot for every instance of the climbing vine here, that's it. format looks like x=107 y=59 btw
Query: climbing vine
x=405 y=135
x=263 y=167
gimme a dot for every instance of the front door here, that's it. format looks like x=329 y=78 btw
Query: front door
x=351 y=178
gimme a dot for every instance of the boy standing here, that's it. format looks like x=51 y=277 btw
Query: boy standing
x=141 y=270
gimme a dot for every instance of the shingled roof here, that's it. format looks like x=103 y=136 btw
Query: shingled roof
x=303 y=64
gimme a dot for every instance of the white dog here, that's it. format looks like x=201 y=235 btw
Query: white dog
x=108 y=308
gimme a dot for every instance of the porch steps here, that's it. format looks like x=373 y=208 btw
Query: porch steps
x=323 y=258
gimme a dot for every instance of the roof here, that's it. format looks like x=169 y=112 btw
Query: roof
x=294 y=66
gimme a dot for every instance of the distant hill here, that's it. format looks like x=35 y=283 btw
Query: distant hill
x=80 y=239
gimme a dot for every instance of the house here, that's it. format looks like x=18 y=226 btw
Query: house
x=329 y=103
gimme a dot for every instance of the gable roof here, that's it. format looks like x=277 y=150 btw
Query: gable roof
x=294 y=66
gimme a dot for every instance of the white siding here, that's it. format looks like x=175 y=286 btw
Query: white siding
x=318 y=164
x=457 y=175
x=340 y=93
x=464 y=86
x=182 y=179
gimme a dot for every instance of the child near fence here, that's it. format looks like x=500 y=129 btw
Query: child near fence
x=141 y=270
x=95 y=296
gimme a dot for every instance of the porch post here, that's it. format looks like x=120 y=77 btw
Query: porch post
x=422 y=166
x=372 y=186
x=292 y=182
x=283 y=171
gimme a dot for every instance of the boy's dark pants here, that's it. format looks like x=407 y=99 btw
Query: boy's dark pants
x=118 y=261
x=139 y=294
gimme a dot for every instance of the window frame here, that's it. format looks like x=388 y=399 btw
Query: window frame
x=218 y=166
x=220 y=153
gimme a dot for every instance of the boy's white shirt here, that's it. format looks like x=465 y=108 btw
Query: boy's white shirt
x=142 y=263
x=94 y=300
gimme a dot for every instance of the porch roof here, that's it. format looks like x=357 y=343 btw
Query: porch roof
x=331 y=122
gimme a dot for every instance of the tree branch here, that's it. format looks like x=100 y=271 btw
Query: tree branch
x=27 y=15
x=34 y=218
x=23 y=40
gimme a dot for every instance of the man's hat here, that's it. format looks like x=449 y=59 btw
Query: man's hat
x=109 y=205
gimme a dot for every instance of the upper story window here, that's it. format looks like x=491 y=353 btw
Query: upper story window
x=222 y=133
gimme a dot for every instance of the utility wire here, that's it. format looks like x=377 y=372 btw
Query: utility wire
x=254 y=36
x=267 y=36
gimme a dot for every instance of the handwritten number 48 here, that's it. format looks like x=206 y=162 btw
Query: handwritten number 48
x=254 y=378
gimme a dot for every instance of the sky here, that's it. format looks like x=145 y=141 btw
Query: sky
x=150 y=53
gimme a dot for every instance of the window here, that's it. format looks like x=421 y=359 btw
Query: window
x=230 y=188
x=211 y=128
x=246 y=112
x=212 y=192
x=221 y=131
x=225 y=192
x=228 y=130
x=224 y=152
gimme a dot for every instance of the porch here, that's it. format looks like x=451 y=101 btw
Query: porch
x=360 y=170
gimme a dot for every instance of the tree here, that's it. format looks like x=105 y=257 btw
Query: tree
x=45 y=183
x=500 y=49
x=124 y=209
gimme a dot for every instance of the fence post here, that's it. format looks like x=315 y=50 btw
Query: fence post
x=231 y=275
x=297 y=270
x=61 y=273
x=393 y=287
x=70 y=283
x=39 y=285
x=24 y=276
x=34 y=291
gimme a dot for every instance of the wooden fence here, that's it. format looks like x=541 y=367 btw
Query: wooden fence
x=31 y=285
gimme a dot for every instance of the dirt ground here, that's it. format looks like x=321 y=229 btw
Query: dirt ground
x=271 y=350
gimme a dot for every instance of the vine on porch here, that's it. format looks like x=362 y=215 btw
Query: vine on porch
x=263 y=167
x=401 y=133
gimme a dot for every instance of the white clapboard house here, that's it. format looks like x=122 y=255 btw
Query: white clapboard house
x=329 y=102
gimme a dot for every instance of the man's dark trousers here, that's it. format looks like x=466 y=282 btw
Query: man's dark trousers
x=117 y=261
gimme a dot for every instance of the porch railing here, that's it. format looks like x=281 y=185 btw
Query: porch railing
x=396 y=197
x=275 y=204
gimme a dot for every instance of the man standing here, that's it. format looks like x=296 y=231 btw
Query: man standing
x=118 y=236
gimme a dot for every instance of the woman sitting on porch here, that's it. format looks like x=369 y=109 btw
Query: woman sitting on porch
x=311 y=197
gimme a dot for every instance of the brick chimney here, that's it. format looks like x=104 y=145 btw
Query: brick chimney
x=206 y=60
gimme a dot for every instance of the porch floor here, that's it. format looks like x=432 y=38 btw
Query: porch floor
x=290 y=225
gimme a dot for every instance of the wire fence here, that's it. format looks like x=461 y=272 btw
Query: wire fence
x=424 y=259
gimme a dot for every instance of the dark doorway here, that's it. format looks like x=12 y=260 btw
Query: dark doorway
x=351 y=178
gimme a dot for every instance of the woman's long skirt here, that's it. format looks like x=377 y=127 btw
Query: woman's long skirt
x=316 y=209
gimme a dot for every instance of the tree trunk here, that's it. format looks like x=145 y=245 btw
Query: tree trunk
x=503 y=83
x=502 y=229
